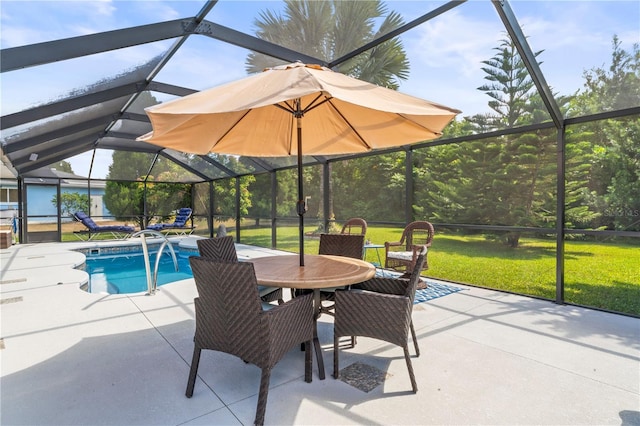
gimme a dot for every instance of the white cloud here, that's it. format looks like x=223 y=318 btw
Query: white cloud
x=446 y=57
x=453 y=41
x=446 y=53
x=202 y=63
x=160 y=11
x=576 y=36
x=104 y=8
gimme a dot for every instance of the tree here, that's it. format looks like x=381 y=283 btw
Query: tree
x=615 y=88
x=372 y=187
x=508 y=180
x=124 y=192
x=510 y=85
x=225 y=190
x=286 y=195
x=260 y=192
x=71 y=202
x=63 y=166
x=124 y=199
x=614 y=162
x=328 y=30
x=225 y=197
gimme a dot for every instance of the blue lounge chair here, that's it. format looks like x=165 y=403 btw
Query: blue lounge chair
x=179 y=225
x=117 y=231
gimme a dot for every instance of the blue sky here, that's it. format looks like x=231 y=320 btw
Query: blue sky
x=445 y=54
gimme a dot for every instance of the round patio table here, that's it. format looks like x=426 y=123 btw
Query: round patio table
x=318 y=272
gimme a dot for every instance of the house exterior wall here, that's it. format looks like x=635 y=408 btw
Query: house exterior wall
x=40 y=207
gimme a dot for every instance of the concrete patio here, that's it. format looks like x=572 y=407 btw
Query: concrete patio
x=73 y=358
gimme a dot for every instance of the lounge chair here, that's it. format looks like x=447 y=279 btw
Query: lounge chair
x=179 y=225
x=118 y=232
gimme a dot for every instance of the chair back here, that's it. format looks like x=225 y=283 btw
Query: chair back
x=355 y=226
x=228 y=307
x=182 y=217
x=342 y=245
x=415 y=275
x=221 y=248
x=85 y=220
x=419 y=233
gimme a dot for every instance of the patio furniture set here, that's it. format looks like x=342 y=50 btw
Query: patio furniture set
x=234 y=314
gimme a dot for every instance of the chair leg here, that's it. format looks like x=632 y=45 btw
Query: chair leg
x=193 y=372
x=412 y=376
x=308 y=362
x=415 y=340
x=262 y=396
x=336 y=345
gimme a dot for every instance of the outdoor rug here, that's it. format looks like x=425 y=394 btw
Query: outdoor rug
x=433 y=291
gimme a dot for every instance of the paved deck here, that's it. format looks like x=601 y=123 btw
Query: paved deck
x=73 y=358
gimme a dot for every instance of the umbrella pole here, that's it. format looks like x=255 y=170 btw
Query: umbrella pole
x=302 y=208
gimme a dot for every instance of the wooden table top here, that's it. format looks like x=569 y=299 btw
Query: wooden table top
x=320 y=271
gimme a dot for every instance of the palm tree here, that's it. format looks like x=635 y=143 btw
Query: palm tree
x=328 y=30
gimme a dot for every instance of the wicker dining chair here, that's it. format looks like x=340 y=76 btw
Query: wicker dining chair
x=402 y=255
x=354 y=226
x=230 y=319
x=225 y=249
x=382 y=315
x=348 y=245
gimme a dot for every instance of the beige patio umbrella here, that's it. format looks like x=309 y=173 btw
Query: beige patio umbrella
x=264 y=115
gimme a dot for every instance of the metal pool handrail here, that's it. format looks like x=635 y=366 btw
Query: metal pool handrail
x=152 y=285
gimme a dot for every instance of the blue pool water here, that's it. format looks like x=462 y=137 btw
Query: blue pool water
x=126 y=273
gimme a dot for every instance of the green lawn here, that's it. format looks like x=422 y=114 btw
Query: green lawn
x=602 y=275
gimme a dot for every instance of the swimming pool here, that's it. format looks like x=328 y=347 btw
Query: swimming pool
x=126 y=273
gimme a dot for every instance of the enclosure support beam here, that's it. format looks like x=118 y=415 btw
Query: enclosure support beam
x=66 y=151
x=408 y=186
x=211 y=207
x=67 y=105
x=59 y=211
x=255 y=44
x=526 y=54
x=560 y=216
x=31 y=55
x=397 y=32
x=274 y=211
x=326 y=194
x=237 y=213
x=22 y=236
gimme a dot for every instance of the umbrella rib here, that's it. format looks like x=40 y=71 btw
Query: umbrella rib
x=288 y=107
x=364 y=142
x=298 y=112
x=312 y=105
x=229 y=129
x=420 y=125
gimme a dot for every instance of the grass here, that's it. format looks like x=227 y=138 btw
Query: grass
x=600 y=275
